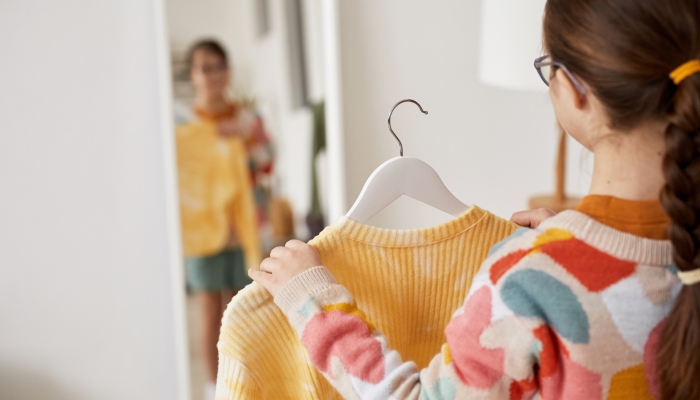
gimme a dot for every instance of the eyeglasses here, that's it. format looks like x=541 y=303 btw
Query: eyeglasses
x=546 y=69
x=212 y=68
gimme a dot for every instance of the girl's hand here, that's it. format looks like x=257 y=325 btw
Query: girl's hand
x=283 y=264
x=532 y=218
x=230 y=128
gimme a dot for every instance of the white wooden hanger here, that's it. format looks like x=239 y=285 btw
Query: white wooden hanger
x=403 y=176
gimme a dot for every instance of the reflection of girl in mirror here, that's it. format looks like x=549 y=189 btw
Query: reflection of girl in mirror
x=233 y=119
x=219 y=221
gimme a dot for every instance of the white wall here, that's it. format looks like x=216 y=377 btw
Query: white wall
x=86 y=310
x=492 y=147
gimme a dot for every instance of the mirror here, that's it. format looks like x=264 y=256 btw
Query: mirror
x=248 y=91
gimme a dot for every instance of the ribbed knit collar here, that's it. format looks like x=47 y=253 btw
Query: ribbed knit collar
x=642 y=218
x=230 y=111
x=407 y=238
x=622 y=245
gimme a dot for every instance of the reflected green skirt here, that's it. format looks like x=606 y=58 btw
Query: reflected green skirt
x=218 y=272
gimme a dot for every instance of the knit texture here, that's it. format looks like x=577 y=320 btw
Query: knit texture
x=640 y=218
x=215 y=192
x=571 y=310
x=406 y=282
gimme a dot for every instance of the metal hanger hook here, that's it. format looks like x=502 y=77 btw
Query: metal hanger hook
x=392 y=111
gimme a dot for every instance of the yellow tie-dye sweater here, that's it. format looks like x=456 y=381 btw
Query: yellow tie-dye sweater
x=216 y=199
x=408 y=283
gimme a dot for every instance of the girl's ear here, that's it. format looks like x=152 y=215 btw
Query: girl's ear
x=569 y=92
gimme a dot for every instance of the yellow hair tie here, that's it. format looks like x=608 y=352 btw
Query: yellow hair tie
x=685 y=70
x=690 y=277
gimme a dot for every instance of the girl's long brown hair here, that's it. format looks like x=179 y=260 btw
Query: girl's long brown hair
x=625 y=50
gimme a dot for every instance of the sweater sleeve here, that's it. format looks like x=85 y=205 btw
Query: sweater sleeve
x=483 y=358
x=242 y=208
x=233 y=381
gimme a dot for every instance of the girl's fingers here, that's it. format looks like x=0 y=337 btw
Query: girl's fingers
x=294 y=243
x=258 y=276
x=270 y=282
x=279 y=252
x=521 y=218
x=532 y=218
x=269 y=265
x=265 y=279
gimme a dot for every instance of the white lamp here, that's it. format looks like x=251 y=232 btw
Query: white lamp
x=511 y=39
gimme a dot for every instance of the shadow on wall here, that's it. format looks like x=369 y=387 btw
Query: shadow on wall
x=20 y=383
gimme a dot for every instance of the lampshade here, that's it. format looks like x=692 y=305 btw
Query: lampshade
x=511 y=39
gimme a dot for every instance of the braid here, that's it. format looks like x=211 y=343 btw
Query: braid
x=677 y=356
x=679 y=194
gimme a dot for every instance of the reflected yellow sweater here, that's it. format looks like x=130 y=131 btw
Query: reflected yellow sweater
x=215 y=192
x=407 y=282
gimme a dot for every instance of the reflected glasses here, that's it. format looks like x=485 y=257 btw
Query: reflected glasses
x=547 y=67
x=209 y=69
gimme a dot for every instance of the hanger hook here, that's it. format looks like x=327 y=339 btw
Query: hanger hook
x=392 y=111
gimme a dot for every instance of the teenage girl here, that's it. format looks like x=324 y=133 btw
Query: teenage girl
x=219 y=222
x=601 y=302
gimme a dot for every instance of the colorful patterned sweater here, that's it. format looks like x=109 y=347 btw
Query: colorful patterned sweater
x=407 y=282
x=571 y=310
x=257 y=142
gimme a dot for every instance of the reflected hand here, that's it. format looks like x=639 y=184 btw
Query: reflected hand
x=283 y=264
x=230 y=127
x=532 y=218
